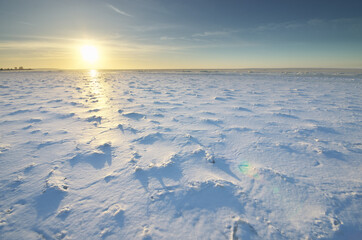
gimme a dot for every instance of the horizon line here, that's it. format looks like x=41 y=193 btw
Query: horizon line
x=252 y=68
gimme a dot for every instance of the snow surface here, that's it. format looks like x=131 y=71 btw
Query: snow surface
x=180 y=155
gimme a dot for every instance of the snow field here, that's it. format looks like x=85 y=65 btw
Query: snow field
x=180 y=155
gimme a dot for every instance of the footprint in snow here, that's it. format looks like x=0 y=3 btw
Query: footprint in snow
x=64 y=212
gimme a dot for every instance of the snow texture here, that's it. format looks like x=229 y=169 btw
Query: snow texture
x=180 y=155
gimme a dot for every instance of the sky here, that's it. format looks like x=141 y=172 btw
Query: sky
x=179 y=34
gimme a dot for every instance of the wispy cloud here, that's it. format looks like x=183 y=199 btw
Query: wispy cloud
x=203 y=36
x=119 y=11
x=32 y=45
x=343 y=23
x=279 y=26
x=209 y=34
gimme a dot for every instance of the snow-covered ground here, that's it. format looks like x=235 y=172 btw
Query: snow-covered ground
x=180 y=155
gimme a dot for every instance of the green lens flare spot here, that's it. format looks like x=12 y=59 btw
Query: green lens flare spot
x=244 y=167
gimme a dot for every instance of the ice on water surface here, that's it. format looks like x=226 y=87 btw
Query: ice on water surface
x=173 y=154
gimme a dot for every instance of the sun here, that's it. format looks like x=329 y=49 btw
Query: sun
x=89 y=53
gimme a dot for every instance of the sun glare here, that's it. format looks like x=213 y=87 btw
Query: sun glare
x=93 y=73
x=89 y=53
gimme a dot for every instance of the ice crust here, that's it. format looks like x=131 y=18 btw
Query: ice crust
x=180 y=155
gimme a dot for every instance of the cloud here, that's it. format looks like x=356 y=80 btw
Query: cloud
x=201 y=37
x=119 y=11
x=166 y=38
x=278 y=26
x=354 y=23
x=208 y=34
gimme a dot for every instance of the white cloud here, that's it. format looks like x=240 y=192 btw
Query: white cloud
x=119 y=11
x=208 y=34
x=278 y=26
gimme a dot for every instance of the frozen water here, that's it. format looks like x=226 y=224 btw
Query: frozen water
x=171 y=155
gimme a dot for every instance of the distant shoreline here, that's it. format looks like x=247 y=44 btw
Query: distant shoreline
x=15 y=69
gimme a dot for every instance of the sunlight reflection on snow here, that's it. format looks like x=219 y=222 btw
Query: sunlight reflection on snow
x=93 y=73
x=98 y=94
x=95 y=85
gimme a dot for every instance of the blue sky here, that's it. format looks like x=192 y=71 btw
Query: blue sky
x=182 y=34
